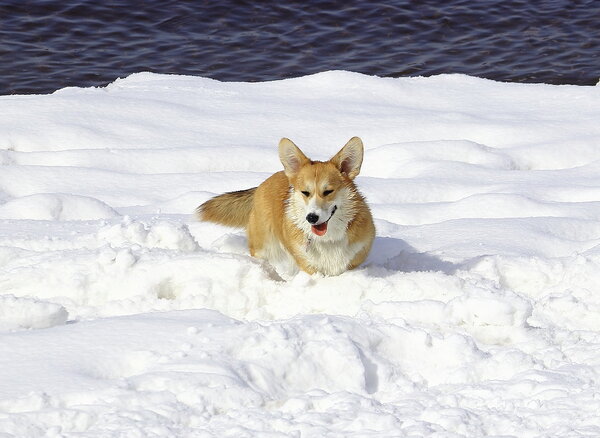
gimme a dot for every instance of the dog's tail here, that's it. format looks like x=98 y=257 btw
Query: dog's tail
x=231 y=209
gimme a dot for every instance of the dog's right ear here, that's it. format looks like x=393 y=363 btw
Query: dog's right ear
x=291 y=157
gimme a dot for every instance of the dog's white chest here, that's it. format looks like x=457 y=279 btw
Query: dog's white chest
x=330 y=257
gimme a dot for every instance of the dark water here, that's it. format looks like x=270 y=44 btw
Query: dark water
x=46 y=45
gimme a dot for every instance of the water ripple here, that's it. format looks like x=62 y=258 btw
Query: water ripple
x=45 y=45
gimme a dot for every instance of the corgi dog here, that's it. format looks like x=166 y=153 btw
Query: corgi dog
x=309 y=216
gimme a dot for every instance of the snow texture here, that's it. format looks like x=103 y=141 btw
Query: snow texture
x=477 y=313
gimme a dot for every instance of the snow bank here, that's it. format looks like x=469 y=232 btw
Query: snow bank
x=475 y=314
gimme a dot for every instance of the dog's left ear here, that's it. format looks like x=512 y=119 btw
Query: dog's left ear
x=349 y=159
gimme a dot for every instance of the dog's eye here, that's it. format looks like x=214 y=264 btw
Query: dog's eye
x=307 y=194
x=327 y=192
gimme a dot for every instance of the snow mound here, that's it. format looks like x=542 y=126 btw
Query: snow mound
x=29 y=313
x=56 y=207
x=158 y=235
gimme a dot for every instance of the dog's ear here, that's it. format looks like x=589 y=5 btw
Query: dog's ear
x=349 y=159
x=291 y=157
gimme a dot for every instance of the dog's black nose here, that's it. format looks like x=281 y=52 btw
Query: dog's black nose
x=312 y=218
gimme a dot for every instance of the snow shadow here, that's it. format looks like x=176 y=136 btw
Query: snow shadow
x=396 y=255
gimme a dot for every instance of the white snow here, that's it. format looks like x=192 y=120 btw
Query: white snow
x=477 y=313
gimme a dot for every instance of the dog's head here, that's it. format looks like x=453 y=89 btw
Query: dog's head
x=321 y=185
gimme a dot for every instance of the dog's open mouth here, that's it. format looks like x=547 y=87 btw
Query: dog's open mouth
x=321 y=229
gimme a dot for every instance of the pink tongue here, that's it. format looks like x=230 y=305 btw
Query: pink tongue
x=320 y=229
